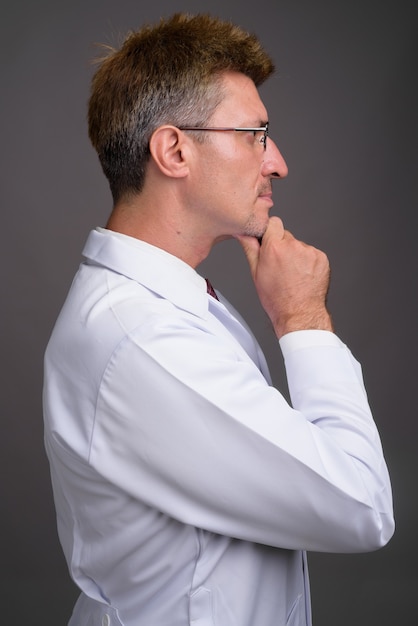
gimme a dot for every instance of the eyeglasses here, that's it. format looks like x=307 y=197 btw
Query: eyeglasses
x=259 y=129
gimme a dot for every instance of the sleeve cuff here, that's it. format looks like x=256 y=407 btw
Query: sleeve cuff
x=308 y=339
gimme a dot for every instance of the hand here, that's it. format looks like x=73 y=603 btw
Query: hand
x=291 y=278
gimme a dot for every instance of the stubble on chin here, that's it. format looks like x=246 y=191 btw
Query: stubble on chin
x=255 y=227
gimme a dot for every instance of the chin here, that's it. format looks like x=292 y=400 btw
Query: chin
x=255 y=229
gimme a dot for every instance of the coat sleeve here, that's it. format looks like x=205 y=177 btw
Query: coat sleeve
x=190 y=427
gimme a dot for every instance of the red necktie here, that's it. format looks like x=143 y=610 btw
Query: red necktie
x=211 y=290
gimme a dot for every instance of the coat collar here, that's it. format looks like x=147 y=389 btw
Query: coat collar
x=156 y=269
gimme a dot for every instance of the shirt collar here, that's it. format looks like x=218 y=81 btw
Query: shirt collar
x=158 y=270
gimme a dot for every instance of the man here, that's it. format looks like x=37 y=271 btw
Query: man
x=187 y=489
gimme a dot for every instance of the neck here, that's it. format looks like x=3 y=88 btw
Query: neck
x=166 y=228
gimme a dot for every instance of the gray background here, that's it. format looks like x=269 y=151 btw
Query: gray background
x=343 y=110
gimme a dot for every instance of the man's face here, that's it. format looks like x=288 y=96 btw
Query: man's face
x=233 y=170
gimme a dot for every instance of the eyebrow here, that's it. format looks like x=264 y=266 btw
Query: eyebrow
x=253 y=123
x=257 y=124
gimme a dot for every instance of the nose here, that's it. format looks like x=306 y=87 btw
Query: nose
x=274 y=165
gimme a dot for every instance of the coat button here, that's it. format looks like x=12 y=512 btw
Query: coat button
x=105 y=620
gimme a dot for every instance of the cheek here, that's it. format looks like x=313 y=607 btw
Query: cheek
x=235 y=174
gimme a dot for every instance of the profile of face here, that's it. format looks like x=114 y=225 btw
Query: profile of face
x=234 y=170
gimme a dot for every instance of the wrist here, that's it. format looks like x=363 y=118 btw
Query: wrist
x=306 y=321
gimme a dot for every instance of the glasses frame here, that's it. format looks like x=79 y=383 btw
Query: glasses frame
x=264 y=129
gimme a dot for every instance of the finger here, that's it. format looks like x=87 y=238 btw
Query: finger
x=251 y=248
x=275 y=229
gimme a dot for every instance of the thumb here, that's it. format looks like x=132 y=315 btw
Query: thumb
x=251 y=248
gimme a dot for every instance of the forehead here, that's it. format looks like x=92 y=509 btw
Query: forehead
x=241 y=103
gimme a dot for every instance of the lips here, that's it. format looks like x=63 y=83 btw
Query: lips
x=266 y=192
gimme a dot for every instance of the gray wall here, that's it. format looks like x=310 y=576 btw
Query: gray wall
x=343 y=109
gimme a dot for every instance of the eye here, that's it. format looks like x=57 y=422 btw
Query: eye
x=258 y=136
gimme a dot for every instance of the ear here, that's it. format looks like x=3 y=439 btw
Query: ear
x=169 y=148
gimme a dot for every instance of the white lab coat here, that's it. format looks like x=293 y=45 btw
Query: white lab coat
x=187 y=489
